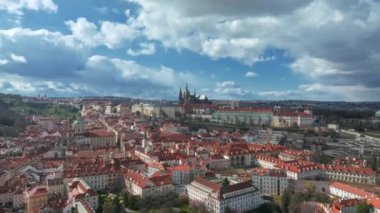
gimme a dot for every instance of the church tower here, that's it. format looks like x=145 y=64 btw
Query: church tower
x=180 y=98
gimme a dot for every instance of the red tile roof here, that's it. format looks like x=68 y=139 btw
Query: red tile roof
x=371 y=197
x=38 y=191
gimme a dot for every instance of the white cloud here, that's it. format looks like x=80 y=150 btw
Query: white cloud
x=243 y=49
x=344 y=92
x=250 y=74
x=17 y=6
x=52 y=48
x=230 y=90
x=102 y=10
x=316 y=67
x=130 y=70
x=331 y=42
x=282 y=94
x=84 y=31
x=3 y=61
x=145 y=49
x=109 y=34
x=84 y=74
x=18 y=58
x=11 y=83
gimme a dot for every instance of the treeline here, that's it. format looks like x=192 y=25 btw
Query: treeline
x=7 y=116
x=348 y=119
x=46 y=109
x=336 y=114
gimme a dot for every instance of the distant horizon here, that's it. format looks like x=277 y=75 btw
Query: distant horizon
x=175 y=100
x=250 y=50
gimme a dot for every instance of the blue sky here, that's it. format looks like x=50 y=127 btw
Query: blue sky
x=266 y=50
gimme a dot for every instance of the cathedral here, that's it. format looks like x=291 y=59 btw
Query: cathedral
x=186 y=98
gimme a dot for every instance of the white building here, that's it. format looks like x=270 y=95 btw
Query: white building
x=218 y=162
x=291 y=119
x=78 y=190
x=377 y=114
x=349 y=174
x=349 y=192
x=244 y=115
x=267 y=162
x=334 y=127
x=301 y=172
x=239 y=197
x=273 y=182
x=108 y=110
x=152 y=110
x=301 y=169
x=138 y=184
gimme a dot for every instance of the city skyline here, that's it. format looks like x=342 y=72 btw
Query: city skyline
x=249 y=50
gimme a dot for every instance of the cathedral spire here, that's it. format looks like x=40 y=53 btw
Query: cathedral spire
x=180 y=99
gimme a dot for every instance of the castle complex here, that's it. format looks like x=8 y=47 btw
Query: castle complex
x=186 y=98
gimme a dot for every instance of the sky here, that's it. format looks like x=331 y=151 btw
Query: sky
x=239 y=50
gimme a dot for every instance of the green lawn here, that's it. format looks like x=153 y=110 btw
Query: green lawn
x=183 y=208
x=186 y=208
x=163 y=210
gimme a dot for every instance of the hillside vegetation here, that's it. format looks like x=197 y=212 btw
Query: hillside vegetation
x=12 y=109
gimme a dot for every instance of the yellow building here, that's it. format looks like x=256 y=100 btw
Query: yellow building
x=36 y=199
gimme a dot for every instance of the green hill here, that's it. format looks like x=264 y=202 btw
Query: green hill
x=12 y=107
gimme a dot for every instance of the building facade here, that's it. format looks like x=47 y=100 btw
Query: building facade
x=269 y=181
x=239 y=197
x=140 y=185
x=244 y=115
x=157 y=110
x=36 y=199
x=346 y=191
x=78 y=190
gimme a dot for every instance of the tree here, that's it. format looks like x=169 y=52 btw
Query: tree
x=182 y=200
x=374 y=163
x=225 y=182
x=116 y=204
x=296 y=200
x=285 y=201
x=282 y=140
x=228 y=210
x=199 y=207
x=310 y=187
x=364 y=207
x=108 y=207
x=125 y=199
x=74 y=209
x=132 y=202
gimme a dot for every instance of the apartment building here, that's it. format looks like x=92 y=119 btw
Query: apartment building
x=78 y=190
x=270 y=181
x=239 y=197
x=346 y=191
x=140 y=185
x=36 y=198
